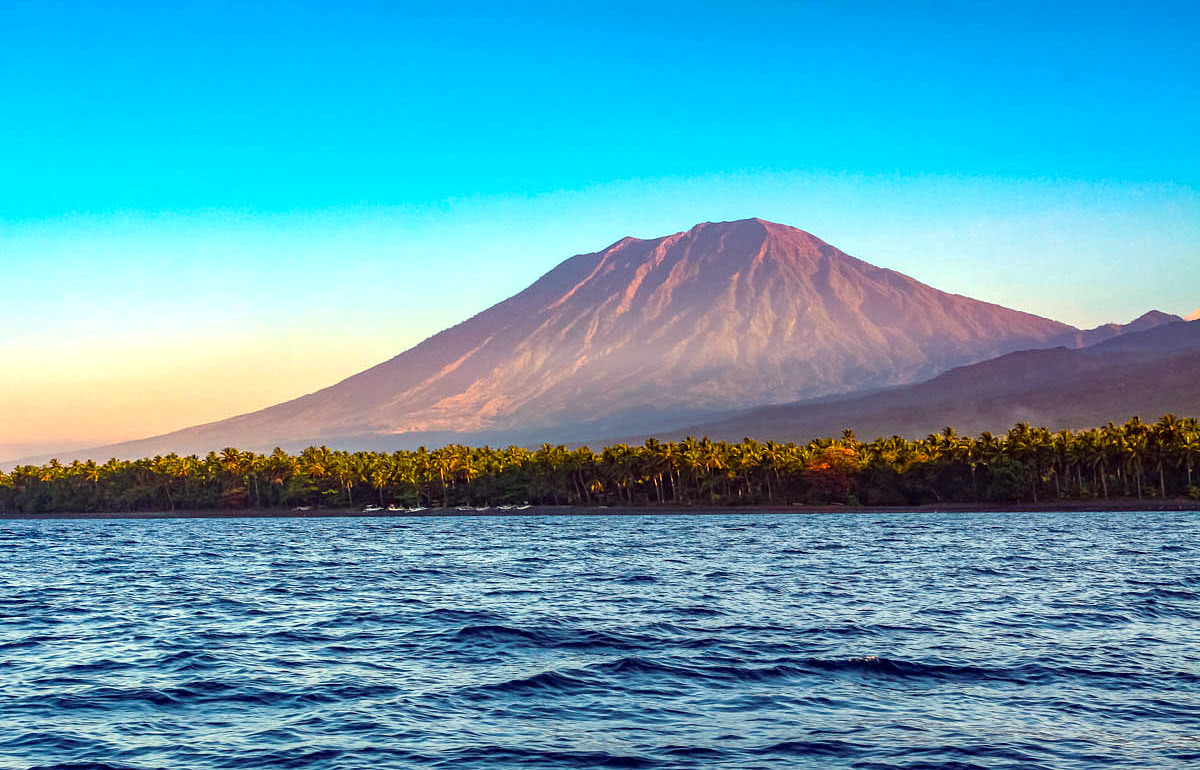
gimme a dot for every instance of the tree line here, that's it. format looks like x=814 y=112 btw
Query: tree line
x=1027 y=463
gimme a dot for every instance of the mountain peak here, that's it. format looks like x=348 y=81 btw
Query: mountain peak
x=754 y=225
x=1157 y=316
x=732 y=223
x=1149 y=320
x=628 y=239
x=753 y=228
x=648 y=333
x=735 y=235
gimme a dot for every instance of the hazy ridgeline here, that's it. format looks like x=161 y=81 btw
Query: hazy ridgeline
x=1025 y=464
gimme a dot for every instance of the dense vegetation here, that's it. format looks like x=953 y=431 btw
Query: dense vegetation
x=1026 y=464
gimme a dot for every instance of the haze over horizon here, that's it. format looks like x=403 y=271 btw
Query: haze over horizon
x=211 y=208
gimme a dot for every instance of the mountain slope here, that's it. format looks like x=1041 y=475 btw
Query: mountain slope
x=1147 y=373
x=643 y=335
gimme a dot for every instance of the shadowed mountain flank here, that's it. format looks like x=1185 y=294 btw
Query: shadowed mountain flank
x=645 y=335
x=1148 y=373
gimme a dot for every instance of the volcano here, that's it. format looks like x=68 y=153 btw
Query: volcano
x=646 y=335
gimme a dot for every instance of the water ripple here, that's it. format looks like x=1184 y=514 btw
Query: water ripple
x=740 y=641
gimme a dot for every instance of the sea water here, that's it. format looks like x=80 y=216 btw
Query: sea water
x=1032 y=640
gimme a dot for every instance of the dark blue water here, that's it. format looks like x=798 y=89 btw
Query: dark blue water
x=867 y=641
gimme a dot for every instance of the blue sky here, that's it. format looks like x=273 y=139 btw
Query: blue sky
x=210 y=207
x=295 y=106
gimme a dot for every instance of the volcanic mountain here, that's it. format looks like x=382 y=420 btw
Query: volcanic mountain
x=645 y=335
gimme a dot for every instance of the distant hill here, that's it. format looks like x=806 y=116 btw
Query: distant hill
x=1148 y=373
x=646 y=335
x=1084 y=338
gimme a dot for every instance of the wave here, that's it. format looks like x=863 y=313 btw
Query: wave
x=543 y=681
x=85 y=766
x=548 y=636
x=491 y=756
x=1027 y=673
x=826 y=748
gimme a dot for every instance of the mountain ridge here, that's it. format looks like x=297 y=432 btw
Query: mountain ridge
x=721 y=317
x=1150 y=373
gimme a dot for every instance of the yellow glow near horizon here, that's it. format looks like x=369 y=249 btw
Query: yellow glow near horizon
x=107 y=394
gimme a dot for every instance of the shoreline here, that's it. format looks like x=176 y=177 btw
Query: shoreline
x=1062 y=506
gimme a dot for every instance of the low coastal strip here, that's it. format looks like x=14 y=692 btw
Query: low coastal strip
x=1118 y=467
x=1062 y=506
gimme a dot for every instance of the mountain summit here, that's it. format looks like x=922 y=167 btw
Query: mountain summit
x=646 y=334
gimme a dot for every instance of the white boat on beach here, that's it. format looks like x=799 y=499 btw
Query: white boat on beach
x=372 y=508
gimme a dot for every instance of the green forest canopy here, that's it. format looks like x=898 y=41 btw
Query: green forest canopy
x=1025 y=464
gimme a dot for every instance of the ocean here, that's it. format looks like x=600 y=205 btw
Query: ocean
x=889 y=640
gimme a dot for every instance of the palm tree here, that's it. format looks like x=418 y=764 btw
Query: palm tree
x=1022 y=443
x=653 y=453
x=346 y=472
x=1166 y=441
x=1190 y=446
x=380 y=471
x=1137 y=445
